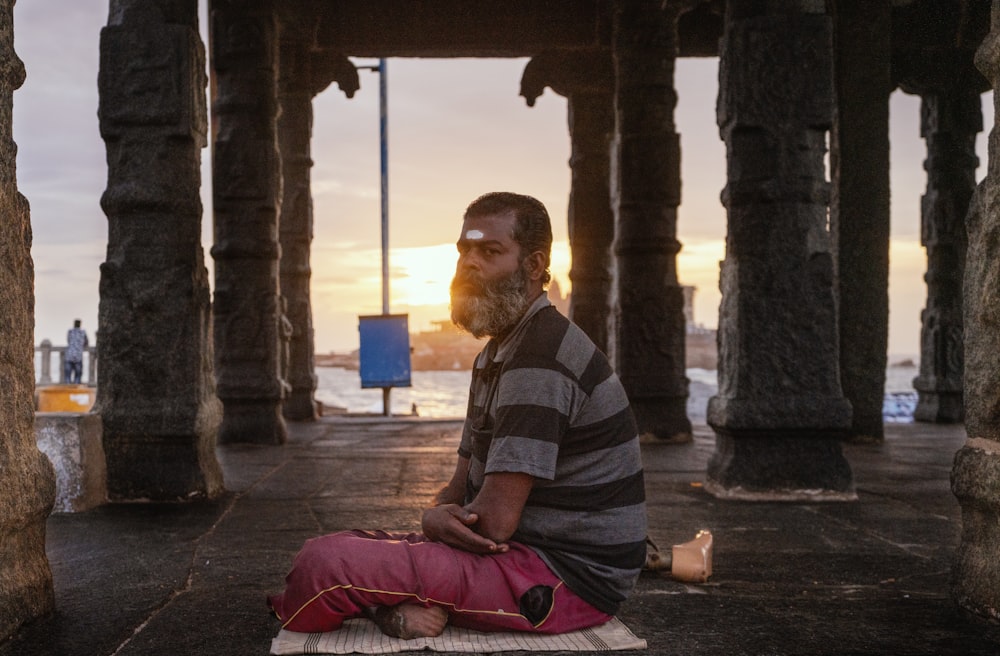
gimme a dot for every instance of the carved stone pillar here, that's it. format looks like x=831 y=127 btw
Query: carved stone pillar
x=647 y=345
x=27 y=482
x=975 y=476
x=587 y=81
x=937 y=64
x=247 y=197
x=779 y=413
x=949 y=122
x=296 y=223
x=859 y=212
x=156 y=395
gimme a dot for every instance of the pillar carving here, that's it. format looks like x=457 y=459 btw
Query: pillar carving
x=156 y=395
x=587 y=82
x=27 y=482
x=975 y=475
x=779 y=413
x=950 y=119
x=296 y=222
x=859 y=212
x=248 y=315
x=648 y=340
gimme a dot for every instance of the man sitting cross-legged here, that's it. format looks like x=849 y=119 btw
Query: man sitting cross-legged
x=542 y=526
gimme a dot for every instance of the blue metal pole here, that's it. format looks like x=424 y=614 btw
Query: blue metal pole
x=384 y=143
x=384 y=150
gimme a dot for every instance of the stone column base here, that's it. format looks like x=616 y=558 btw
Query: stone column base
x=975 y=481
x=779 y=466
x=252 y=422
x=26 y=591
x=300 y=406
x=162 y=467
x=939 y=407
x=664 y=419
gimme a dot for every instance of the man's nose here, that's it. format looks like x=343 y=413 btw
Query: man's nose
x=469 y=262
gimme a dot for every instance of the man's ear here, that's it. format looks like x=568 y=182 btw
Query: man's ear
x=534 y=265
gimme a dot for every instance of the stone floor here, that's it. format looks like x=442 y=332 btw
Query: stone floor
x=869 y=577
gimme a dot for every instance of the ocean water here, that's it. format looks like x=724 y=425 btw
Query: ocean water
x=439 y=394
x=443 y=394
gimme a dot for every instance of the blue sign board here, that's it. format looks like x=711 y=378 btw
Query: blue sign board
x=385 y=351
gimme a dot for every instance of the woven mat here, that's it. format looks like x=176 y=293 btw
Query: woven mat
x=361 y=636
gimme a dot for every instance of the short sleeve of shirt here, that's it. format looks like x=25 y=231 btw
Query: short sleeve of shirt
x=533 y=404
x=525 y=456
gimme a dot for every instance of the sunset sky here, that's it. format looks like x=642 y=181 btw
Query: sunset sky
x=457 y=128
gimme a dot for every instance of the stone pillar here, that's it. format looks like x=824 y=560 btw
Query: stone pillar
x=247 y=198
x=859 y=212
x=156 y=395
x=647 y=345
x=296 y=222
x=949 y=121
x=587 y=81
x=975 y=476
x=779 y=413
x=591 y=216
x=27 y=482
x=938 y=65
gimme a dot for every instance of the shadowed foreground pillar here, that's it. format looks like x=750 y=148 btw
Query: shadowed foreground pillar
x=779 y=413
x=647 y=345
x=859 y=215
x=156 y=395
x=247 y=197
x=975 y=476
x=27 y=482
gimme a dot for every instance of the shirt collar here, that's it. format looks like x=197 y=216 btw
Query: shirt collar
x=513 y=338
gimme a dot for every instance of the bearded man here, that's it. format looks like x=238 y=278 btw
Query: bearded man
x=542 y=526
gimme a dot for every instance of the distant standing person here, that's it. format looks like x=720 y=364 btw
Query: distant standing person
x=76 y=343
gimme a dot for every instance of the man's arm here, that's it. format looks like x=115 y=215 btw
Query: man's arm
x=449 y=522
x=454 y=491
x=485 y=525
x=499 y=504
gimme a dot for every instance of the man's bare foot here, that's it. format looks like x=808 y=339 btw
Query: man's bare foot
x=409 y=621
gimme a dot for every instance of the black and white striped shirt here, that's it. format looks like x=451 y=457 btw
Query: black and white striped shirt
x=546 y=402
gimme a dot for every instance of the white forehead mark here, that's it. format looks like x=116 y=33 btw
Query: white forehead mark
x=474 y=234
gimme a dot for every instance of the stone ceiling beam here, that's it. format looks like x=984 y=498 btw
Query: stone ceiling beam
x=459 y=28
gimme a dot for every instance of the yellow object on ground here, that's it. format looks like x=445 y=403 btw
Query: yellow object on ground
x=66 y=398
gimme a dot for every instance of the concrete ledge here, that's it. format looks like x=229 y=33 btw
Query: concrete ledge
x=72 y=442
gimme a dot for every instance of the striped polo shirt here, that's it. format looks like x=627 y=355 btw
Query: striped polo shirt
x=546 y=402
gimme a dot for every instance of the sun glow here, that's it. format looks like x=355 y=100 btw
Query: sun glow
x=422 y=275
x=698 y=265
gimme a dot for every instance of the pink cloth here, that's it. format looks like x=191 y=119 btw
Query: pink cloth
x=335 y=577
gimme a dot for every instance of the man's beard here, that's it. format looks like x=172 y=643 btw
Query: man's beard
x=488 y=308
